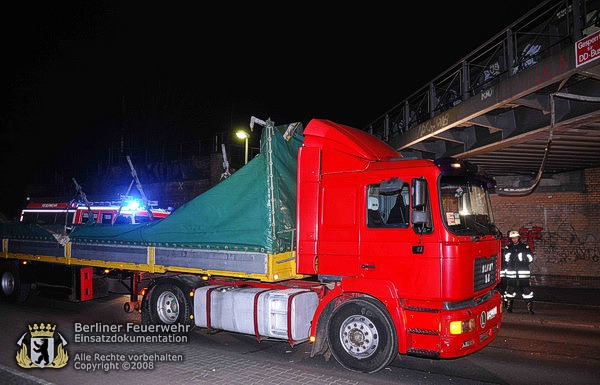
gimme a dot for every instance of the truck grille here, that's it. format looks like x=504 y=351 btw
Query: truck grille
x=484 y=272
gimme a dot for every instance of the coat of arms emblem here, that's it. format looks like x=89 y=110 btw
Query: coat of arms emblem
x=41 y=349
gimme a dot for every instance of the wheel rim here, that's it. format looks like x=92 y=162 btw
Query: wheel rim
x=359 y=336
x=8 y=283
x=167 y=307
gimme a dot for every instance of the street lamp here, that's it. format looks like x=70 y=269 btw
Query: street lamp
x=244 y=135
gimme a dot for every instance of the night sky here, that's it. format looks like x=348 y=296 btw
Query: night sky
x=77 y=73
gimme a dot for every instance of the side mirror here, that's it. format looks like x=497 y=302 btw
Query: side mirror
x=420 y=217
x=419 y=191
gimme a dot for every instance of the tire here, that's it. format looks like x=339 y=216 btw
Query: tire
x=166 y=305
x=362 y=337
x=12 y=288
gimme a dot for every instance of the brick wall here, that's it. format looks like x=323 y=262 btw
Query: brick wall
x=562 y=228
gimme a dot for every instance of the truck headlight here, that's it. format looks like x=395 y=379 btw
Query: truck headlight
x=460 y=327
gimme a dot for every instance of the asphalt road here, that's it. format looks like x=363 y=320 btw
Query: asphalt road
x=522 y=354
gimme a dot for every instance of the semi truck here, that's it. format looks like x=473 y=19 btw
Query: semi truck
x=328 y=236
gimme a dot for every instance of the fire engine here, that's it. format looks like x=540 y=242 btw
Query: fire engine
x=130 y=211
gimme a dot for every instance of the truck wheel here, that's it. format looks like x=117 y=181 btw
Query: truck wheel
x=12 y=288
x=167 y=305
x=362 y=336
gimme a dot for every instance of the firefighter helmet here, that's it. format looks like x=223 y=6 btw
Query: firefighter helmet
x=513 y=234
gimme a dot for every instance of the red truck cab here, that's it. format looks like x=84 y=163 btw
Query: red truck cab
x=411 y=244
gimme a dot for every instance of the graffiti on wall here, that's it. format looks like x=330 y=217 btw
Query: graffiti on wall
x=561 y=247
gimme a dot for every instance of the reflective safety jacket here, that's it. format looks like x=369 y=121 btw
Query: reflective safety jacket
x=516 y=260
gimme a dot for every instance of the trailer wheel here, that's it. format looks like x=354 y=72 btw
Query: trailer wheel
x=13 y=289
x=362 y=336
x=167 y=305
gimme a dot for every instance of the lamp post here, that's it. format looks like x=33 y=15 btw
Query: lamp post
x=244 y=135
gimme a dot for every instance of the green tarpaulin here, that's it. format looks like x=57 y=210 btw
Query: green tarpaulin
x=253 y=209
x=18 y=230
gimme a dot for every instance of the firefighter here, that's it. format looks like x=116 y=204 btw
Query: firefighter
x=517 y=257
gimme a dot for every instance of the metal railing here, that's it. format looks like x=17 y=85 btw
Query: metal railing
x=542 y=32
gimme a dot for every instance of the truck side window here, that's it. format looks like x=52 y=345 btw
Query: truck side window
x=388 y=206
x=123 y=220
x=85 y=216
x=107 y=218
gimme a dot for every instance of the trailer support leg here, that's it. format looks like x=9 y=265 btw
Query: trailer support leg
x=134 y=303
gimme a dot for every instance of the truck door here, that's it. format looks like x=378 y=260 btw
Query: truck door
x=389 y=242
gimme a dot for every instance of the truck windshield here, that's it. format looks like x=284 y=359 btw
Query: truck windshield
x=466 y=206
